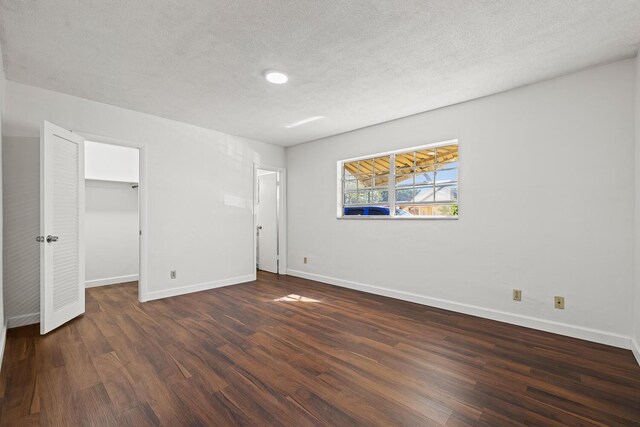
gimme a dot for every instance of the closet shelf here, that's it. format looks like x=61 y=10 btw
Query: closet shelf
x=112 y=180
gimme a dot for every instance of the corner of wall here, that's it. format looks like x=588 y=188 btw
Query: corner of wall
x=3 y=323
x=635 y=333
x=3 y=340
x=635 y=348
x=635 y=340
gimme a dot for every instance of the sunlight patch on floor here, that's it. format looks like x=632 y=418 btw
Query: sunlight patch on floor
x=295 y=297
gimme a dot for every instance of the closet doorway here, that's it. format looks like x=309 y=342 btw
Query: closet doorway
x=112 y=214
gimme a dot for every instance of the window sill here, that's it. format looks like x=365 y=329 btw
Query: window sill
x=398 y=218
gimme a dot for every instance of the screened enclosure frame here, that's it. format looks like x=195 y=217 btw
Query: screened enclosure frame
x=376 y=180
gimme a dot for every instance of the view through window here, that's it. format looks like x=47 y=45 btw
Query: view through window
x=422 y=182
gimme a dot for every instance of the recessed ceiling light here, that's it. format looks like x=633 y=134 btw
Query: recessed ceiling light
x=304 y=121
x=275 y=77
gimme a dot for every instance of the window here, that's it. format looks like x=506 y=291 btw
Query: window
x=421 y=182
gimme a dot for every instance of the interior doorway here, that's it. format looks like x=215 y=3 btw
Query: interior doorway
x=112 y=214
x=269 y=223
x=62 y=233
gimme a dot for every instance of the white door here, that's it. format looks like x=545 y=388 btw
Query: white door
x=61 y=226
x=267 y=221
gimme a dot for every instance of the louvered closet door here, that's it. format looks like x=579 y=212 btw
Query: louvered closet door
x=62 y=226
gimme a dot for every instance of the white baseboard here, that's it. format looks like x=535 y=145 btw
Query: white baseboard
x=110 y=281
x=25 y=319
x=165 y=293
x=3 y=341
x=635 y=348
x=574 y=331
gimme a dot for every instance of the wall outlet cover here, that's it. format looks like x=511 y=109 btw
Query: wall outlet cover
x=517 y=295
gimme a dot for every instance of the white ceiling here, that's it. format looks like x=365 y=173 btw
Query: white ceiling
x=356 y=62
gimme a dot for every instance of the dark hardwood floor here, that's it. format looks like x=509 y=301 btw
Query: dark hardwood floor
x=288 y=351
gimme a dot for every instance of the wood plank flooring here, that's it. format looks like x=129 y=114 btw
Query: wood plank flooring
x=292 y=352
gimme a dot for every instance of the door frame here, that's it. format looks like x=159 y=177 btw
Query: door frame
x=281 y=215
x=143 y=241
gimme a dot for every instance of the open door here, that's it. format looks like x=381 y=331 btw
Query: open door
x=267 y=221
x=61 y=226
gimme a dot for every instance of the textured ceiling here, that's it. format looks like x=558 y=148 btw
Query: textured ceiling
x=355 y=62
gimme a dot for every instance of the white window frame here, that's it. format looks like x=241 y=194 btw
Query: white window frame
x=392 y=185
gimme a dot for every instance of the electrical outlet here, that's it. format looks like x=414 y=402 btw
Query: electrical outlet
x=517 y=295
x=559 y=302
x=305 y=260
x=173 y=274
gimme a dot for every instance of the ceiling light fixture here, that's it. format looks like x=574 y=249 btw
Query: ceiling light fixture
x=304 y=121
x=275 y=77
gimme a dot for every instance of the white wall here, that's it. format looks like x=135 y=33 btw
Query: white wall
x=191 y=171
x=111 y=162
x=636 y=307
x=21 y=197
x=546 y=188
x=111 y=232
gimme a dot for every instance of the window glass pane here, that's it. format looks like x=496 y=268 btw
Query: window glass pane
x=405 y=160
x=448 y=153
x=423 y=194
x=381 y=180
x=350 y=169
x=350 y=185
x=350 y=198
x=427 y=210
x=425 y=168
x=404 y=180
x=447 y=175
x=446 y=193
x=364 y=182
x=382 y=163
x=449 y=165
x=425 y=157
x=377 y=211
x=379 y=196
x=364 y=197
x=402 y=212
x=405 y=195
x=424 y=178
x=366 y=166
x=353 y=211
x=404 y=171
x=348 y=176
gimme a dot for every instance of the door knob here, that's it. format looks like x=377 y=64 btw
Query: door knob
x=259 y=227
x=51 y=238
